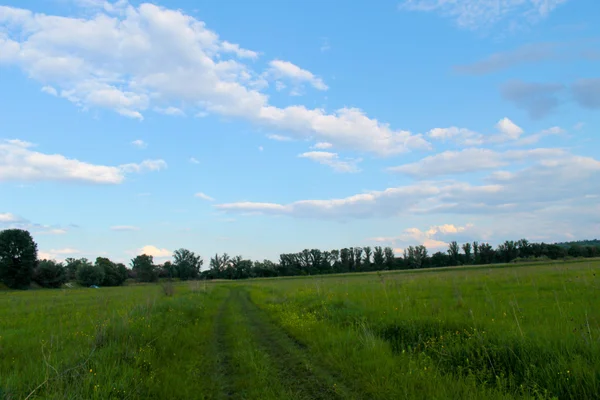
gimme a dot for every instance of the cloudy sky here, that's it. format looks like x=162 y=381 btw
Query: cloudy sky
x=258 y=128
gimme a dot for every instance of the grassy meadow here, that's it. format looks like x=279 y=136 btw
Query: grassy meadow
x=502 y=332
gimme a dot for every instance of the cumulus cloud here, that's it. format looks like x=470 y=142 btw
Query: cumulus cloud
x=279 y=138
x=173 y=111
x=58 y=254
x=280 y=69
x=563 y=180
x=322 y=146
x=434 y=238
x=332 y=160
x=131 y=59
x=473 y=160
x=476 y=14
x=154 y=251
x=18 y=162
x=203 y=196
x=538 y=99
x=507 y=131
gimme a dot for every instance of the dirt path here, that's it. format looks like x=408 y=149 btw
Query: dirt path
x=254 y=350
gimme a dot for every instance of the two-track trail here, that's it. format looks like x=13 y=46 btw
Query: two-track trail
x=259 y=360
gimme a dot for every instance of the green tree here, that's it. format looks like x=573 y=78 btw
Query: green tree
x=50 y=274
x=72 y=265
x=388 y=254
x=467 y=250
x=378 y=258
x=18 y=258
x=454 y=253
x=88 y=274
x=367 y=259
x=144 y=268
x=112 y=275
x=187 y=264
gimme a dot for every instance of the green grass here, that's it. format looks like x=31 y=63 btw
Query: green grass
x=529 y=331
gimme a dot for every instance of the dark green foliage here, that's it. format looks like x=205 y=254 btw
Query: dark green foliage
x=114 y=275
x=50 y=274
x=187 y=264
x=18 y=258
x=88 y=274
x=144 y=268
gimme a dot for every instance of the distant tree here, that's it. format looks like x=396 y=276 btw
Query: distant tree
x=144 y=268
x=345 y=256
x=113 y=276
x=169 y=270
x=18 y=258
x=88 y=274
x=507 y=251
x=378 y=258
x=486 y=253
x=388 y=255
x=72 y=265
x=50 y=274
x=467 y=250
x=476 y=258
x=358 y=266
x=454 y=253
x=187 y=264
x=439 y=260
x=367 y=260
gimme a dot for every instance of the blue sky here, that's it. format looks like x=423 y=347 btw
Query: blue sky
x=258 y=128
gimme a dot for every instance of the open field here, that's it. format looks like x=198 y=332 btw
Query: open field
x=503 y=332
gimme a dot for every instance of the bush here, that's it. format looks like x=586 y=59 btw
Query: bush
x=88 y=275
x=114 y=274
x=50 y=274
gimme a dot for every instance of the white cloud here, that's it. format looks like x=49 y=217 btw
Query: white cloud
x=140 y=144
x=133 y=59
x=508 y=131
x=472 y=160
x=146 y=165
x=49 y=90
x=203 y=196
x=260 y=148
x=474 y=14
x=332 y=160
x=124 y=228
x=57 y=254
x=322 y=145
x=235 y=48
x=286 y=70
x=8 y=217
x=154 y=251
x=19 y=163
x=54 y=231
x=550 y=182
x=434 y=238
x=193 y=160
x=173 y=111
x=509 y=128
x=279 y=138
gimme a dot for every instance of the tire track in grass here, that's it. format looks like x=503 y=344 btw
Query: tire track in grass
x=295 y=369
x=224 y=371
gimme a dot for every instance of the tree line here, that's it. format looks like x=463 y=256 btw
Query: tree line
x=19 y=265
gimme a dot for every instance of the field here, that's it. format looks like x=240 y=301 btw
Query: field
x=488 y=332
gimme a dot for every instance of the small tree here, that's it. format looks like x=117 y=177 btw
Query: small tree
x=88 y=274
x=50 y=274
x=143 y=266
x=18 y=258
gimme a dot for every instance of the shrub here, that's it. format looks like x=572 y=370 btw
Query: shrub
x=88 y=275
x=50 y=274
